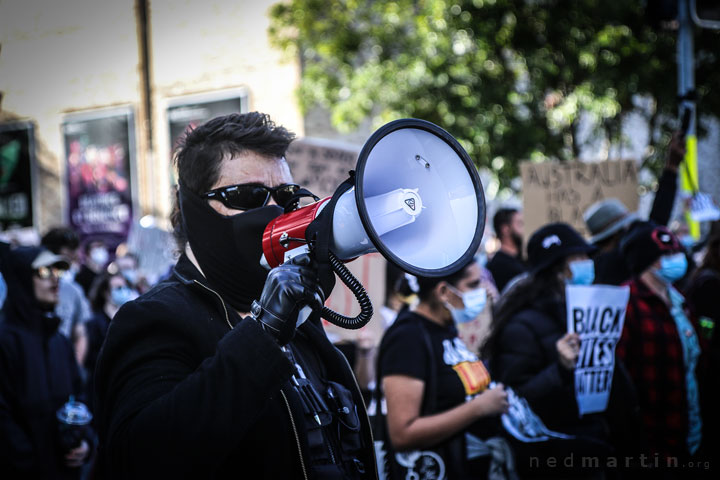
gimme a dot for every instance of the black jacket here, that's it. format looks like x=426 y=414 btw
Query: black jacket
x=526 y=359
x=95 y=329
x=187 y=389
x=38 y=374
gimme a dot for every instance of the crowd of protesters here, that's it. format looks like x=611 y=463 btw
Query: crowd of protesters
x=55 y=315
x=458 y=353
x=661 y=418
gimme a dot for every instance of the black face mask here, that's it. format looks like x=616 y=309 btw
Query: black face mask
x=228 y=249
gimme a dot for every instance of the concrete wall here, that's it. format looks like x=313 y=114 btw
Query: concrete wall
x=64 y=57
x=58 y=58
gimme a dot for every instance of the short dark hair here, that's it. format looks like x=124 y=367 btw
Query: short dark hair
x=99 y=288
x=426 y=285
x=503 y=217
x=202 y=150
x=60 y=237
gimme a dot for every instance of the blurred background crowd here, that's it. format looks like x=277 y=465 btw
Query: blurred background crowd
x=567 y=108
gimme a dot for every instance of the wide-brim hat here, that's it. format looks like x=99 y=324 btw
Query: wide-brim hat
x=48 y=259
x=607 y=217
x=552 y=243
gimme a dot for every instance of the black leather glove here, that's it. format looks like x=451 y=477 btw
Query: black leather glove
x=288 y=288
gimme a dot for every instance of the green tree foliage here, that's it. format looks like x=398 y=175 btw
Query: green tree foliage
x=508 y=78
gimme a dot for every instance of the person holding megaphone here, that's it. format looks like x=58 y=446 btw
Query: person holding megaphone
x=208 y=375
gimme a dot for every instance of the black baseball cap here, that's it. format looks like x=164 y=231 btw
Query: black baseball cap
x=552 y=243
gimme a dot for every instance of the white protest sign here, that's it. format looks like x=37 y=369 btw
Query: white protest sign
x=522 y=423
x=703 y=208
x=597 y=314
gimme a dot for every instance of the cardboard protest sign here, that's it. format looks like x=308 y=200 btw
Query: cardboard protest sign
x=561 y=192
x=155 y=249
x=320 y=166
x=597 y=314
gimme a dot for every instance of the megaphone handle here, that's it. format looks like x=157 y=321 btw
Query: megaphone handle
x=366 y=308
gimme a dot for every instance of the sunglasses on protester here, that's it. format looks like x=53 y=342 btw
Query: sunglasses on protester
x=44 y=273
x=247 y=196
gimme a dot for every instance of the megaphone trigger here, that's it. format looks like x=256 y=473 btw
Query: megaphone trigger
x=290 y=254
x=303 y=315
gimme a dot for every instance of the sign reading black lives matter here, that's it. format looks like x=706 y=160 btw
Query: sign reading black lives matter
x=597 y=314
x=98 y=150
x=16 y=160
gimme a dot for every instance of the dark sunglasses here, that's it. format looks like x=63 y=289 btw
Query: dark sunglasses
x=44 y=273
x=247 y=196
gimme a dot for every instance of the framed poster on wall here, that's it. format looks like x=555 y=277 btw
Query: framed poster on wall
x=17 y=160
x=188 y=112
x=100 y=159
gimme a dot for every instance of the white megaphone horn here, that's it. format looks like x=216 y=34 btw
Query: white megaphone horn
x=415 y=197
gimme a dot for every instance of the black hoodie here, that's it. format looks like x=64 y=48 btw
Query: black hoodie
x=38 y=373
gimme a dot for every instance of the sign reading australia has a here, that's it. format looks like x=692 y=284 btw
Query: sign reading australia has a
x=561 y=192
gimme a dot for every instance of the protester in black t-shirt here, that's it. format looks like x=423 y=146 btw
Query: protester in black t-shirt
x=423 y=362
x=507 y=262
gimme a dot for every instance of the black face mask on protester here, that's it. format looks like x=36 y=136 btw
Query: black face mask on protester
x=228 y=248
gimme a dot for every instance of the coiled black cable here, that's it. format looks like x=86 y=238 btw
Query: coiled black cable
x=366 y=308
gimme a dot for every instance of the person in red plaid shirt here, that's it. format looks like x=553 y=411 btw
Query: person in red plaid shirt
x=659 y=344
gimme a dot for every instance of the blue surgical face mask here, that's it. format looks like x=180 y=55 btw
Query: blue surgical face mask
x=687 y=241
x=474 y=302
x=3 y=291
x=121 y=295
x=672 y=267
x=130 y=275
x=583 y=272
x=100 y=256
